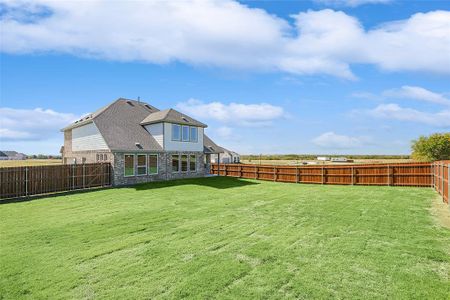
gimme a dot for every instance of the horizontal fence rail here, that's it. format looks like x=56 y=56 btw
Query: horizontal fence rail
x=18 y=182
x=441 y=181
x=412 y=174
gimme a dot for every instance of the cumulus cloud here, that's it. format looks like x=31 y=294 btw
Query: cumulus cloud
x=232 y=113
x=337 y=141
x=396 y=112
x=226 y=34
x=352 y=3
x=417 y=93
x=31 y=124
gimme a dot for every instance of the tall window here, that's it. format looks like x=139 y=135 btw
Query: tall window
x=176 y=132
x=153 y=164
x=175 y=163
x=193 y=137
x=192 y=163
x=129 y=165
x=184 y=163
x=141 y=164
x=185 y=133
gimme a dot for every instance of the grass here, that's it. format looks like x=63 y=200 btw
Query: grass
x=226 y=238
x=29 y=162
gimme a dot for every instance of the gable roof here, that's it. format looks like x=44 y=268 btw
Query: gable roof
x=121 y=118
x=172 y=116
x=118 y=119
x=209 y=147
x=90 y=117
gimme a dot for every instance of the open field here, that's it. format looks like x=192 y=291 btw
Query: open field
x=29 y=162
x=299 y=162
x=226 y=238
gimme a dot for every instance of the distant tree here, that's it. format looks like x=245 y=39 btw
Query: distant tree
x=431 y=148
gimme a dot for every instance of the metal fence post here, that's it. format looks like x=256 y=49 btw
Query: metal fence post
x=84 y=177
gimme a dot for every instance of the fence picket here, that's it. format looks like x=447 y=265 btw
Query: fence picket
x=35 y=180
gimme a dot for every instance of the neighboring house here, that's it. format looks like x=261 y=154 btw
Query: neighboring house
x=141 y=142
x=226 y=157
x=12 y=155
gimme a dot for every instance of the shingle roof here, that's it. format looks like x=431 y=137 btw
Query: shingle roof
x=88 y=119
x=172 y=116
x=209 y=146
x=121 y=125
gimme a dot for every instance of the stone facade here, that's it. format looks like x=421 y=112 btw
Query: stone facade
x=164 y=168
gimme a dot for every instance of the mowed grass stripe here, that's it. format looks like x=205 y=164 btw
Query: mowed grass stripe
x=226 y=238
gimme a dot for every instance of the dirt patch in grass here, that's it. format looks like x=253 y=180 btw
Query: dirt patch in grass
x=441 y=212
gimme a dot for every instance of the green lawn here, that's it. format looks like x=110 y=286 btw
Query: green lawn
x=226 y=238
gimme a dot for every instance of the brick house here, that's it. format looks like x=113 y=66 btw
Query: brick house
x=141 y=142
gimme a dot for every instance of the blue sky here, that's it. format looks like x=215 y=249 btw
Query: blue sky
x=323 y=76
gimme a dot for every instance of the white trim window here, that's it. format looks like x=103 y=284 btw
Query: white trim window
x=192 y=163
x=176 y=132
x=184 y=163
x=141 y=164
x=185 y=133
x=193 y=137
x=129 y=165
x=175 y=163
x=152 y=164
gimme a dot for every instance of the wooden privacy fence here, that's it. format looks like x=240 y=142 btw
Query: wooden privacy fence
x=410 y=174
x=28 y=181
x=441 y=182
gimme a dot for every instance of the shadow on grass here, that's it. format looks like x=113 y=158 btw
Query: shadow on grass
x=214 y=182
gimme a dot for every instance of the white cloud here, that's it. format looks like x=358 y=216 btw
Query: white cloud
x=352 y=3
x=233 y=113
x=31 y=124
x=417 y=93
x=226 y=34
x=336 y=141
x=225 y=132
x=395 y=112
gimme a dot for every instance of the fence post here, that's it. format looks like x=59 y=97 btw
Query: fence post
x=84 y=177
x=256 y=172
x=322 y=174
x=26 y=181
x=432 y=174
x=448 y=183
x=274 y=174
x=442 y=179
x=353 y=182
x=389 y=175
x=296 y=175
x=73 y=176
x=224 y=170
